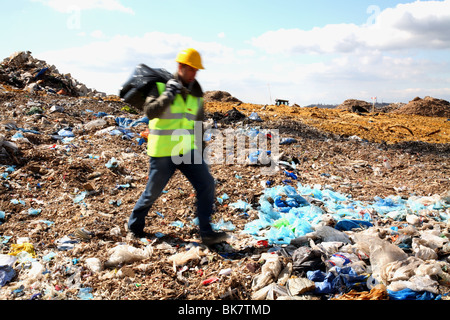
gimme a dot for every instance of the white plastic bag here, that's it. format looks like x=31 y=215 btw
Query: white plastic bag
x=381 y=252
x=269 y=271
x=123 y=254
x=329 y=234
x=94 y=264
x=182 y=258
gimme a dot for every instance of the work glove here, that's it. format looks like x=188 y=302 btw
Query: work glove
x=173 y=87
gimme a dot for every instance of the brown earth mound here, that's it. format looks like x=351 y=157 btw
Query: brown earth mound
x=427 y=106
x=220 y=96
x=355 y=105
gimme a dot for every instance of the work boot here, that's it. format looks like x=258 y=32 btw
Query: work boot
x=137 y=235
x=213 y=238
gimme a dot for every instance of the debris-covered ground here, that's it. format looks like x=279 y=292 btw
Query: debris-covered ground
x=357 y=207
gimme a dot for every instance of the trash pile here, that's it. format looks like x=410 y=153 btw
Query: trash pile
x=334 y=245
x=22 y=71
x=333 y=216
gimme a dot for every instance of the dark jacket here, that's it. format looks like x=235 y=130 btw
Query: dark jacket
x=156 y=104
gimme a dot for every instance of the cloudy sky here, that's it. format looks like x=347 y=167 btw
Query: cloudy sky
x=308 y=52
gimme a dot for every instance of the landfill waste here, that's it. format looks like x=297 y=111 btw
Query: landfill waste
x=331 y=221
x=23 y=71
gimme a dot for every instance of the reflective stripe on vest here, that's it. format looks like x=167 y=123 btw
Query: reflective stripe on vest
x=172 y=133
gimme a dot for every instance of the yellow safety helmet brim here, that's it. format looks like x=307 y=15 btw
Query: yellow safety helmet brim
x=191 y=57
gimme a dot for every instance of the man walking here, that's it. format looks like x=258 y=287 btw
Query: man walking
x=174 y=109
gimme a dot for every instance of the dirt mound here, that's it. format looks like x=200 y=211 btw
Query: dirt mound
x=220 y=96
x=391 y=107
x=355 y=105
x=428 y=106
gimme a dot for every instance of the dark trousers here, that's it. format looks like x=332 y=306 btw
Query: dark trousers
x=161 y=170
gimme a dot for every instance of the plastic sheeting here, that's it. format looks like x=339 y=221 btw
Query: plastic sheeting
x=287 y=212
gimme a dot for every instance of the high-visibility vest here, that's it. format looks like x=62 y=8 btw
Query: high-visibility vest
x=172 y=133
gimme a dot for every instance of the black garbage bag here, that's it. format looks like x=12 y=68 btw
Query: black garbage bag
x=141 y=82
x=233 y=115
x=306 y=259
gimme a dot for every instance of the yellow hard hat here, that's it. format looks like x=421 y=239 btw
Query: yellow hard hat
x=191 y=57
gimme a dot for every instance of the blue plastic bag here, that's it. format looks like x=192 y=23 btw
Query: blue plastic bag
x=255 y=117
x=66 y=133
x=282 y=235
x=7 y=273
x=287 y=141
x=242 y=205
x=223 y=226
x=408 y=294
x=85 y=294
x=347 y=225
x=341 y=280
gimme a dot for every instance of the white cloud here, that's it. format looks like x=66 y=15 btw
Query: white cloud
x=68 y=6
x=323 y=65
x=221 y=35
x=105 y=65
x=98 y=34
x=415 y=25
x=390 y=56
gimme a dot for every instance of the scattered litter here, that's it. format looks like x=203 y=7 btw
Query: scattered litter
x=341 y=216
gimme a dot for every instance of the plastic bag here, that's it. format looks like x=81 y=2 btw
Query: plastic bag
x=269 y=271
x=287 y=141
x=341 y=259
x=94 y=264
x=270 y=292
x=337 y=280
x=416 y=283
x=22 y=247
x=85 y=294
x=7 y=273
x=223 y=225
x=182 y=258
x=139 y=85
x=408 y=294
x=329 y=234
x=306 y=259
x=348 y=225
x=7 y=260
x=380 y=251
x=123 y=254
x=36 y=272
x=95 y=124
x=255 y=117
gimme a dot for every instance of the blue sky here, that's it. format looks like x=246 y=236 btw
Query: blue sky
x=304 y=51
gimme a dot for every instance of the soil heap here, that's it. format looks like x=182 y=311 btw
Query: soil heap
x=428 y=106
x=220 y=96
x=355 y=105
